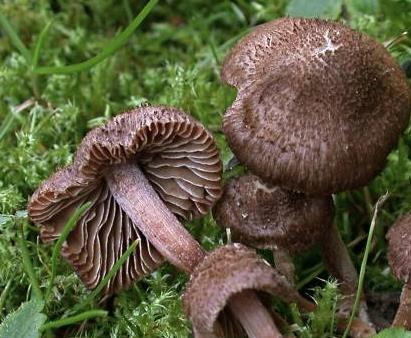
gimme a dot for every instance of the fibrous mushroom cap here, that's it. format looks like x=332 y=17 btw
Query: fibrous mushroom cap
x=399 y=239
x=224 y=273
x=177 y=155
x=269 y=217
x=319 y=106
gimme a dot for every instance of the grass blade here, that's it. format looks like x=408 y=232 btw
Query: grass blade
x=15 y=40
x=28 y=266
x=115 y=44
x=68 y=227
x=74 y=319
x=117 y=265
x=3 y=296
x=39 y=44
x=379 y=203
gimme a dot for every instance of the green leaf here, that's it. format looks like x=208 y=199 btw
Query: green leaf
x=329 y=9
x=39 y=44
x=394 y=333
x=24 y=322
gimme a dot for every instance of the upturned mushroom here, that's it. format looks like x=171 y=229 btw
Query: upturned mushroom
x=139 y=170
x=399 y=239
x=228 y=278
x=319 y=106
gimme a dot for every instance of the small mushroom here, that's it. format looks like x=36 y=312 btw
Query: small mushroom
x=399 y=239
x=319 y=106
x=229 y=277
x=139 y=170
x=268 y=217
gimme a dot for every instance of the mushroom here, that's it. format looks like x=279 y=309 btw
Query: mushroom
x=268 y=217
x=399 y=238
x=139 y=170
x=319 y=106
x=229 y=276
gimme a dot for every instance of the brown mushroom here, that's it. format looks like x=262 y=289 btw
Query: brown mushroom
x=229 y=276
x=265 y=216
x=319 y=106
x=139 y=170
x=399 y=239
x=268 y=217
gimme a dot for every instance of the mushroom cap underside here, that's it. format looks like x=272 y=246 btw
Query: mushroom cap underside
x=178 y=156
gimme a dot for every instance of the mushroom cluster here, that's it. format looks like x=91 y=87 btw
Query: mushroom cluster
x=319 y=107
x=143 y=172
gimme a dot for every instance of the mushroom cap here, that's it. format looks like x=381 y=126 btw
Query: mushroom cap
x=227 y=271
x=178 y=156
x=399 y=239
x=269 y=217
x=319 y=106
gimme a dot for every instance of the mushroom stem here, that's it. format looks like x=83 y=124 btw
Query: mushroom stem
x=340 y=265
x=338 y=261
x=256 y=320
x=403 y=315
x=139 y=200
x=284 y=263
x=134 y=193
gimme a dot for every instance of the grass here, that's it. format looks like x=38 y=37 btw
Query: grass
x=171 y=57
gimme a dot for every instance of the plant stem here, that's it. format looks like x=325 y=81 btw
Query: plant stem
x=74 y=319
x=368 y=201
x=380 y=201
